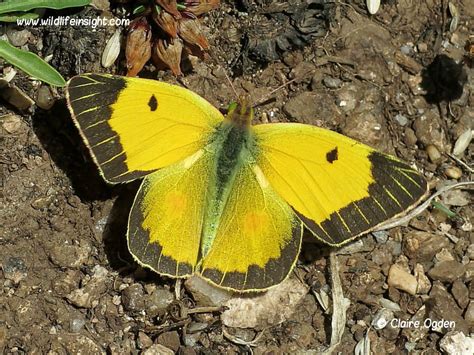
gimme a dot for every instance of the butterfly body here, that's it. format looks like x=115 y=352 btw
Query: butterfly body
x=222 y=198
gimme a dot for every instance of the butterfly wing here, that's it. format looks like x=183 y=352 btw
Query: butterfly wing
x=165 y=223
x=258 y=238
x=135 y=126
x=339 y=187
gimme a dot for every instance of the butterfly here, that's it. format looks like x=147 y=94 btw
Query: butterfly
x=222 y=198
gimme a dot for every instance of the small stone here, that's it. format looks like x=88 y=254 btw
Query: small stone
x=470 y=251
x=433 y=153
x=170 y=340
x=75 y=344
x=443 y=255
x=16 y=97
x=12 y=123
x=133 y=298
x=469 y=315
x=422 y=47
x=158 y=301
x=265 y=309
x=87 y=296
x=308 y=107
x=456 y=343
x=446 y=271
x=158 y=349
x=76 y=324
x=429 y=131
x=399 y=278
x=18 y=38
x=423 y=246
x=45 y=98
x=187 y=350
x=444 y=307
x=365 y=127
x=410 y=137
x=402 y=120
x=453 y=172
x=206 y=294
x=455 y=198
x=14 y=269
x=424 y=284
x=144 y=341
x=332 y=83
x=70 y=256
x=460 y=293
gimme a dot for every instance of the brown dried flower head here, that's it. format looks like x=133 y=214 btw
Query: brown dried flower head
x=138 y=48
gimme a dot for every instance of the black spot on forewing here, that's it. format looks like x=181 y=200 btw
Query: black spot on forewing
x=332 y=155
x=153 y=103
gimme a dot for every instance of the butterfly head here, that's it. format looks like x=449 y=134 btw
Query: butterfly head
x=240 y=113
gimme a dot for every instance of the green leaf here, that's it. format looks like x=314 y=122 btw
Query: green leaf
x=27 y=5
x=14 y=16
x=31 y=64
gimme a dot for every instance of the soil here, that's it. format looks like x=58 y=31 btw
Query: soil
x=399 y=81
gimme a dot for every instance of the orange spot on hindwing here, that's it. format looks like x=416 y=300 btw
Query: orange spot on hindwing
x=175 y=203
x=256 y=223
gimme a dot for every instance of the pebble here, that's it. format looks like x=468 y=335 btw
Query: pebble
x=456 y=343
x=446 y=271
x=423 y=246
x=158 y=301
x=469 y=315
x=443 y=306
x=332 y=83
x=18 y=38
x=460 y=293
x=399 y=278
x=365 y=127
x=87 y=296
x=74 y=344
x=16 y=97
x=422 y=47
x=12 y=123
x=206 y=294
x=76 y=324
x=455 y=198
x=424 y=284
x=428 y=130
x=45 y=98
x=381 y=237
x=170 y=340
x=409 y=137
x=402 y=120
x=133 y=298
x=70 y=256
x=144 y=341
x=433 y=153
x=14 y=269
x=388 y=304
x=265 y=309
x=453 y=172
x=158 y=349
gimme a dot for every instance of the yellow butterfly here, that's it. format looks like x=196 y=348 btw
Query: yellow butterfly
x=222 y=198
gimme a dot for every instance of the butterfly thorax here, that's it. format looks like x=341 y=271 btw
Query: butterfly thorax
x=232 y=147
x=240 y=113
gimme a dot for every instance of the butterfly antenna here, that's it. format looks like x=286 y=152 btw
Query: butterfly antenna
x=231 y=85
x=266 y=97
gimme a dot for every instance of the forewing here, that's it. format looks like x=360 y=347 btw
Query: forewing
x=134 y=126
x=258 y=238
x=165 y=222
x=339 y=187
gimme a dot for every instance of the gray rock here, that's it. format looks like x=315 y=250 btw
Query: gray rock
x=70 y=256
x=460 y=293
x=332 y=83
x=446 y=271
x=206 y=294
x=158 y=349
x=133 y=298
x=428 y=130
x=158 y=301
x=88 y=295
x=456 y=343
x=442 y=306
x=170 y=340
